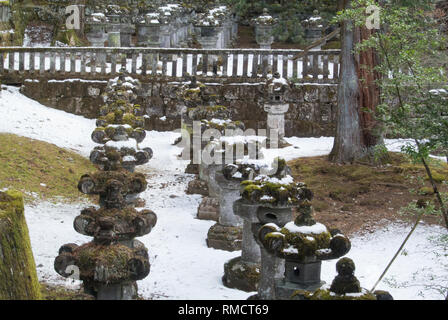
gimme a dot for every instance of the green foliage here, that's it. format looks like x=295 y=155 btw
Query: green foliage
x=290 y=14
x=413 y=69
x=412 y=75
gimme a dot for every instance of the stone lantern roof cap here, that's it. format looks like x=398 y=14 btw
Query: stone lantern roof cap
x=265 y=18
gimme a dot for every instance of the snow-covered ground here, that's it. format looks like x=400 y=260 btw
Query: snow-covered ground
x=182 y=267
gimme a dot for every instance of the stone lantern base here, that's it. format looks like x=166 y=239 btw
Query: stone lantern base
x=121 y=291
x=209 y=209
x=226 y=238
x=284 y=290
x=241 y=275
x=192 y=169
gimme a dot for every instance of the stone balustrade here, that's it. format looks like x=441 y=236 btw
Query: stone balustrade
x=19 y=63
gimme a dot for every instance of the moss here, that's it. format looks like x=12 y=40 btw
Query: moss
x=18 y=277
x=54 y=292
x=129 y=118
x=110 y=117
x=276 y=192
x=426 y=191
x=250 y=273
x=43 y=169
x=437 y=177
x=113 y=257
x=71 y=38
x=327 y=295
x=303 y=243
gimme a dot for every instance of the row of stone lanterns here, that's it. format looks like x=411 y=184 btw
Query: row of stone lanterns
x=254 y=208
x=165 y=26
x=265 y=25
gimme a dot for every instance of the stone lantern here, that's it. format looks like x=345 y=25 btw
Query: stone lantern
x=264 y=29
x=267 y=199
x=111 y=264
x=314 y=28
x=96 y=33
x=275 y=93
x=149 y=31
x=114 y=30
x=127 y=28
x=303 y=244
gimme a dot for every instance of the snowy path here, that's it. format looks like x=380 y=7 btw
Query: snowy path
x=182 y=267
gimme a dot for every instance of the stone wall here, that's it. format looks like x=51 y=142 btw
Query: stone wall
x=312 y=109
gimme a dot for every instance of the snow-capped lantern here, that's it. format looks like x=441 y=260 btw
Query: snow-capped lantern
x=313 y=27
x=303 y=244
x=111 y=263
x=264 y=29
x=96 y=29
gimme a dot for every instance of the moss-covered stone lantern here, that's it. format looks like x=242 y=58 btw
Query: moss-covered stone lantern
x=111 y=264
x=303 y=244
x=268 y=198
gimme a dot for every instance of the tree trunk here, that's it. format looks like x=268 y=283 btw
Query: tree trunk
x=347 y=145
x=18 y=277
x=369 y=93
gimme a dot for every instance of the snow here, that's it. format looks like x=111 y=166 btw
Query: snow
x=316 y=228
x=182 y=266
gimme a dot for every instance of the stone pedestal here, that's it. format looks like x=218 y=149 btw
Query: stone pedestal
x=126 y=291
x=209 y=39
x=97 y=36
x=126 y=31
x=276 y=120
x=197 y=186
x=264 y=36
x=272 y=267
x=209 y=209
x=243 y=272
x=227 y=233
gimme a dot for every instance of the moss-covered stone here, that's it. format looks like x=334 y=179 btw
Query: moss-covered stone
x=18 y=277
x=240 y=275
x=306 y=244
x=91 y=257
x=322 y=294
